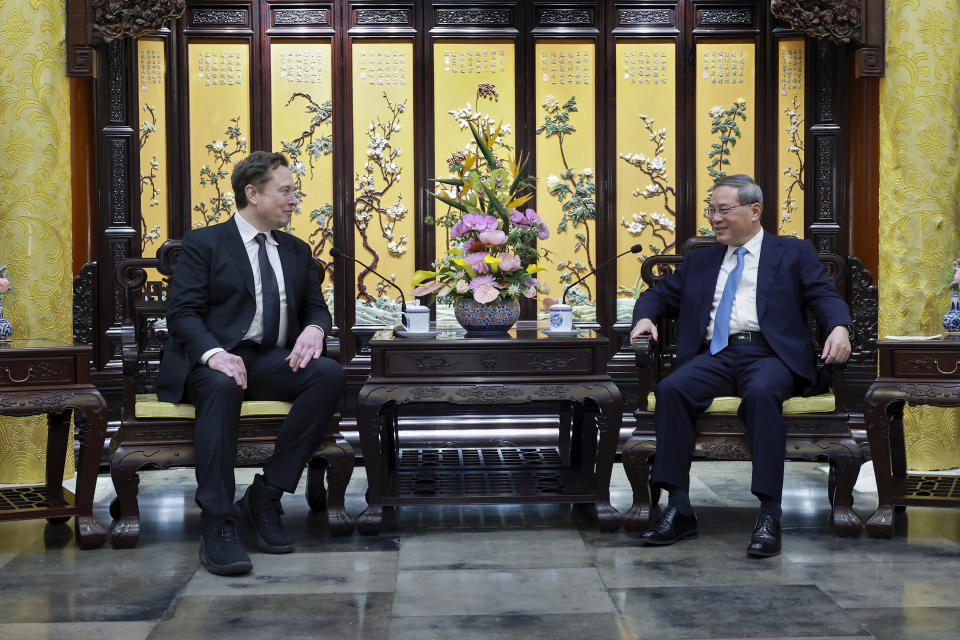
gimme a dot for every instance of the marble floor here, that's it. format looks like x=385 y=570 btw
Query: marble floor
x=489 y=572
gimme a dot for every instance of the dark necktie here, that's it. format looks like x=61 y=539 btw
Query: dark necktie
x=271 y=296
x=721 y=322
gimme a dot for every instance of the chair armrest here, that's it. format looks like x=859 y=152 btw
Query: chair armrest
x=646 y=353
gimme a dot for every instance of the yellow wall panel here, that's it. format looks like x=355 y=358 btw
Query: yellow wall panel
x=384 y=194
x=646 y=159
x=565 y=72
x=219 y=82
x=152 y=85
x=726 y=71
x=790 y=136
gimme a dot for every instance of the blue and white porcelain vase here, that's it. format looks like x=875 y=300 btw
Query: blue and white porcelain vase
x=951 y=320
x=6 y=329
x=492 y=318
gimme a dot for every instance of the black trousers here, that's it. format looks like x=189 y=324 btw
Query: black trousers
x=314 y=391
x=750 y=370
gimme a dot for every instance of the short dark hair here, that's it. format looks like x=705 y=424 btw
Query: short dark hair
x=254 y=170
x=748 y=191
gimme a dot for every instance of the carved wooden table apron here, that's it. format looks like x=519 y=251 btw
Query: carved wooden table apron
x=454 y=373
x=44 y=376
x=921 y=372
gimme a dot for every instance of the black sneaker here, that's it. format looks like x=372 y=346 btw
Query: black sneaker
x=263 y=511
x=220 y=549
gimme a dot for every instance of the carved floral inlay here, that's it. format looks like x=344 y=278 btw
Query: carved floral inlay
x=564 y=16
x=382 y=16
x=646 y=16
x=725 y=16
x=473 y=16
x=432 y=363
x=299 y=16
x=219 y=16
x=836 y=20
x=548 y=362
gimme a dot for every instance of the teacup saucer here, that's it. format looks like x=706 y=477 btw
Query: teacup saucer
x=400 y=332
x=556 y=333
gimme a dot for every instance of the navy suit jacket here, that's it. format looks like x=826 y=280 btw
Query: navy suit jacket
x=211 y=299
x=790 y=279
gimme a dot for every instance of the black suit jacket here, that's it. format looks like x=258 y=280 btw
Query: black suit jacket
x=790 y=279
x=211 y=299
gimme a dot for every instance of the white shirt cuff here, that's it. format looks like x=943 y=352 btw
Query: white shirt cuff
x=207 y=354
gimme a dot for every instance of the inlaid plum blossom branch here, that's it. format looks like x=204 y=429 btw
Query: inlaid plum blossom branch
x=793 y=173
x=222 y=202
x=661 y=225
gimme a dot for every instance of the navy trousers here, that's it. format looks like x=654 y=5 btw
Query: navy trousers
x=314 y=391
x=750 y=370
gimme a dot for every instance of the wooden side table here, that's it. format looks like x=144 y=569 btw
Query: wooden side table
x=919 y=372
x=452 y=372
x=44 y=376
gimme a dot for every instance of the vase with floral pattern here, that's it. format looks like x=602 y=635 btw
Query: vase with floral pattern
x=951 y=320
x=487 y=319
x=6 y=329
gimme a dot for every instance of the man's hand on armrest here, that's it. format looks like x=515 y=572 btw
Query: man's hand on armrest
x=836 y=348
x=644 y=327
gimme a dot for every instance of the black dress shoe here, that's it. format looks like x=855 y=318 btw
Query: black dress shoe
x=220 y=549
x=765 y=540
x=670 y=527
x=262 y=510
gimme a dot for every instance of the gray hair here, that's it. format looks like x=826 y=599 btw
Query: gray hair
x=748 y=191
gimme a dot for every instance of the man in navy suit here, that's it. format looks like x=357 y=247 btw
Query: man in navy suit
x=742 y=331
x=247 y=320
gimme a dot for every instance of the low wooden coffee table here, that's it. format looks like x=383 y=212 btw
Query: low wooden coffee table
x=452 y=372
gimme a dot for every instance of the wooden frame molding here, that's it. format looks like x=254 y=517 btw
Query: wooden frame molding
x=859 y=22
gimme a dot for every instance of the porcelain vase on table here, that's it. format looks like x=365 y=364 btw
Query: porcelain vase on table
x=492 y=318
x=951 y=320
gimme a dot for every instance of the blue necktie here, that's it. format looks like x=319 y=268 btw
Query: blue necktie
x=271 y=296
x=721 y=322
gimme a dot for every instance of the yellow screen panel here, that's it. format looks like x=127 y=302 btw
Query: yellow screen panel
x=646 y=159
x=790 y=147
x=383 y=186
x=301 y=93
x=565 y=72
x=726 y=71
x=152 y=88
x=219 y=77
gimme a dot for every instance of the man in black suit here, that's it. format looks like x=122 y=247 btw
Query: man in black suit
x=247 y=320
x=742 y=308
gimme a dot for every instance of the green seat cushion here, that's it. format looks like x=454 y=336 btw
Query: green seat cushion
x=149 y=407
x=823 y=403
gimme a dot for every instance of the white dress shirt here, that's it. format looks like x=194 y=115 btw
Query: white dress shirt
x=744 y=315
x=248 y=234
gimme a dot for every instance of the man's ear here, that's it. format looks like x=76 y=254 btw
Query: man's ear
x=251 y=193
x=755 y=210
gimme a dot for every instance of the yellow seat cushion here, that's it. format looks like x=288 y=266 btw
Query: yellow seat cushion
x=823 y=403
x=149 y=407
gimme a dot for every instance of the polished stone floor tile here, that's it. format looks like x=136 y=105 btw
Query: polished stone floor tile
x=889 y=583
x=700 y=561
x=511 y=549
x=483 y=592
x=290 y=617
x=734 y=612
x=60 y=630
x=914 y=623
x=585 y=626
x=298 y=572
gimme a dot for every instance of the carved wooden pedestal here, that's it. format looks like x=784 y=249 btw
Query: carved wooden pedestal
x=918 y=372
x=43 y=376
x=452 y=373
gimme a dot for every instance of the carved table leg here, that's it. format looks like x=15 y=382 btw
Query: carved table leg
x=608 y=422
x=90 y=534
x=636 y=454
x=58 y=430
x=339 y=458
x=370 y=425
x=845 y=467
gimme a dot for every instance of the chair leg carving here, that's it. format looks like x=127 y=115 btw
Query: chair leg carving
x=636 y=458
x=844 y=470
x=336 y=459
x=124 y=509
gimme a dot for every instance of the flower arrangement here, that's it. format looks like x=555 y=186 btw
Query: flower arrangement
x=953 y=286
x=493 y=254
x=4 y=282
